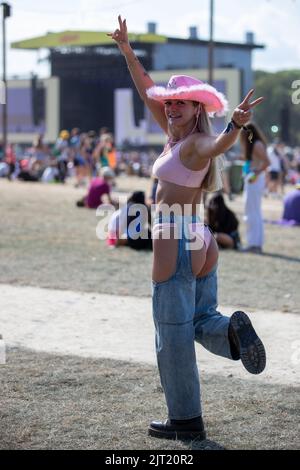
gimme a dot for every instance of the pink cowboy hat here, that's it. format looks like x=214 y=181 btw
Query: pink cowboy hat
x=183 y=87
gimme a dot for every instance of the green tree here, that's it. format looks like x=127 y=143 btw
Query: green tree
x=278 y=108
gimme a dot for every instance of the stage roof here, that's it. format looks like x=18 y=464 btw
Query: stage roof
x=81 y=38
x=100 y=38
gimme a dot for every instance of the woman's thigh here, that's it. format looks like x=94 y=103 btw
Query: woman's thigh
x=211 y=259
x=165 y=248
x=198 y=259
x=206 y=255
x=165 y=251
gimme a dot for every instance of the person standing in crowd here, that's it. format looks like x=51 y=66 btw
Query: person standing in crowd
x=62 y=142
x=256 y=162
x=102 y=150
x=64 y=153
x=81 y=161
x=274 y=177
x=285 y=167
x=75 y=138
x=10 y=160
x=39 y=150
x=185 y=254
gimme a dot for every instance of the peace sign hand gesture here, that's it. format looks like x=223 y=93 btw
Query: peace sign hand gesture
x=242 y=114
x=120 y=35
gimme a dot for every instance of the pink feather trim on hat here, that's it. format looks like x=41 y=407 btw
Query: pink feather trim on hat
x=187 y=88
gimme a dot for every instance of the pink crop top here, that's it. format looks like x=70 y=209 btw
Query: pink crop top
x=168 y=167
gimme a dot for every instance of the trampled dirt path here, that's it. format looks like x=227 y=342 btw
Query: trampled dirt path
x=120 y=327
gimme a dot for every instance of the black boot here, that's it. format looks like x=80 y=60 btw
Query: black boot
x=246 y=344
x=188 y=429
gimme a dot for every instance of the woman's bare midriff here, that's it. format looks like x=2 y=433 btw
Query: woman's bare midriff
x=170 y=194
x=182 y=201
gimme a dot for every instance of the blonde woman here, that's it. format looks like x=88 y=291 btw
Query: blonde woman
x=185 y=254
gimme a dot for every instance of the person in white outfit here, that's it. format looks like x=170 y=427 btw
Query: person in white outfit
x=275 y=156
x=256 y=162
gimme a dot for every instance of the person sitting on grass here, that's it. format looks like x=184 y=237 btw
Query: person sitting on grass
x=223 y=223
x=291 y=210
x=99 y=187
x=131 y=228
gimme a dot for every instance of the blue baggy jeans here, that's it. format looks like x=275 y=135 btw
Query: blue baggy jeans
x=184 y=310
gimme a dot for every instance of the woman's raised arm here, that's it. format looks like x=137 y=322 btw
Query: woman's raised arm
x=140 y=77
x=210 y=147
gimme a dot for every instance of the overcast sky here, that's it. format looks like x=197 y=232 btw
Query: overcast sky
x=274 y=22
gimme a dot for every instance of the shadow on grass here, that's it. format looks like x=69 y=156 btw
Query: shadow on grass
x=274 y=255
x=282 y=257
x=53 y=401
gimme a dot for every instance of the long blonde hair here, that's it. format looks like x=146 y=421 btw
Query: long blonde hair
x=213 y=179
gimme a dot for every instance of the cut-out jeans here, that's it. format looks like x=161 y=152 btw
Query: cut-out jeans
x=185 y=311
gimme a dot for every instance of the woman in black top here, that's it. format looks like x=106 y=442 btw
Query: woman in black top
x=223 y=223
